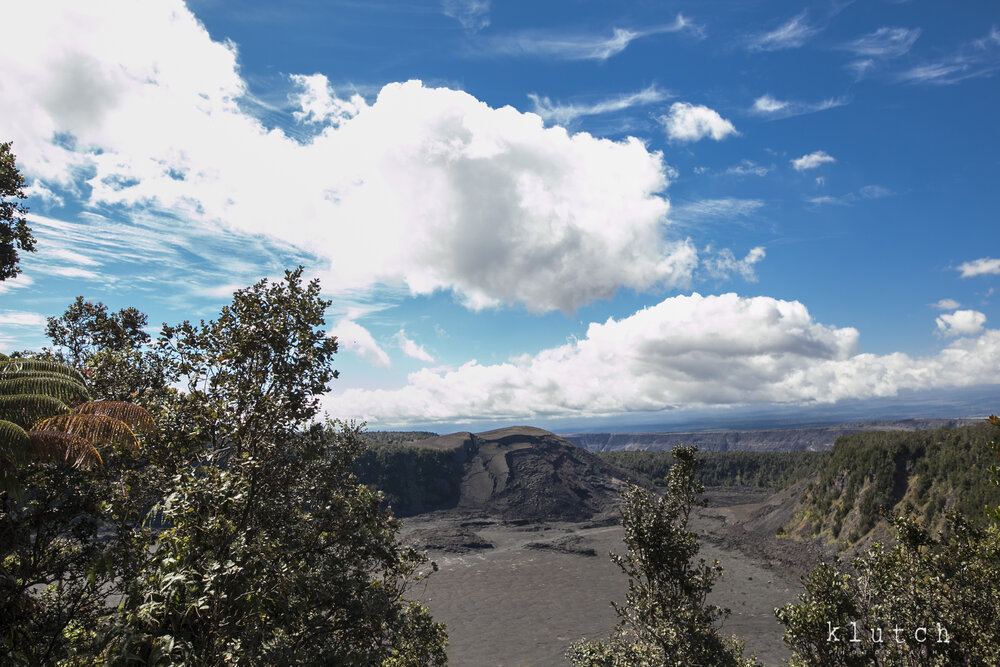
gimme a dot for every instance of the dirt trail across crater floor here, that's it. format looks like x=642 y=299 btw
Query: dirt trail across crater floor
x=518 y=593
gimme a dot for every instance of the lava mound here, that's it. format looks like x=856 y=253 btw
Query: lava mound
x=526 y=473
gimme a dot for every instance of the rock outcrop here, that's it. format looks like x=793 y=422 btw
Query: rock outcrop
x=526 y=473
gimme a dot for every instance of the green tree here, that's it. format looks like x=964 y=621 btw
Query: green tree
x=14 y=231
x=665 y=619
x=87 y=327
x=262 y=547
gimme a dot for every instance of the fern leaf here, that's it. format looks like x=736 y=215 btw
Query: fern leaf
x=135 y=417
x=15 y=447
x=39 y=365
x=66 y=390
x=13 y=375
x=64 y=448
x=26 y=410
x=98 y=429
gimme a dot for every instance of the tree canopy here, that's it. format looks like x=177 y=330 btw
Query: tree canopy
x=15 y=234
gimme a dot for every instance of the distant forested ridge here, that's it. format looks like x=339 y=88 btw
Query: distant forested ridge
x=766 y=470
x=921 y=473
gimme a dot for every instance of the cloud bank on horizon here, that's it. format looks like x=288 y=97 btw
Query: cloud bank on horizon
x=155 y=156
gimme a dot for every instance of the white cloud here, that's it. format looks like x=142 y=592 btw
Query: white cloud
x=423 y=188
x=316 y=101
x=811 y=161
x=582 y=47
x=21 y=319
x=789 y=35
x=685 y=351
x=961 y=323
x=771 y=107
x=356 y=339
x=566 y=113
x=766 y=104
x=474 y=15
x=983 y=266
x=689 y=122
x=411 y=349
x=946 y=304
x=724 y=263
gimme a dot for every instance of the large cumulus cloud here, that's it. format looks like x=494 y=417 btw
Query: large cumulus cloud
x=685 y=351
x=135 y=105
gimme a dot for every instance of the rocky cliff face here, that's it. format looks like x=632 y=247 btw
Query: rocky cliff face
x=526 y=473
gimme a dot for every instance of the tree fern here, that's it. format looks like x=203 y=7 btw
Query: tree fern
x=26 y=410
x=15 y=448
x=66 y=390
x=131 y=414
x=39 y=365
x=63 y=447
x=94 y=428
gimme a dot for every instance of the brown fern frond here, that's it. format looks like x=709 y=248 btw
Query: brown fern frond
x=26 y=410
x=66 y=390
x=64 y=448
x=39 y=365
x=98 y=429
x=15 y=446
x=135 y=417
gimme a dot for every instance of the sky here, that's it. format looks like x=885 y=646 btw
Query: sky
x=541 y=213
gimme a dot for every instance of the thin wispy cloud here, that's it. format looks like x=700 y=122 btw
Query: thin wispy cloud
x=411 y=348
x=474 y=15
x=15 y=318
x=715 y=209
x=564 y=114
x=868 y=192
x=581 y=46
x=790 y=35
x=883 y=44
x=748 y=168
x=977 y=58
x=771 y=107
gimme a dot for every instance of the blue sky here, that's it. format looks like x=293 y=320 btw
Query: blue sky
x=531 y=212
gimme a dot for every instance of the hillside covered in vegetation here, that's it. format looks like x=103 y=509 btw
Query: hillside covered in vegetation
x=925 y=474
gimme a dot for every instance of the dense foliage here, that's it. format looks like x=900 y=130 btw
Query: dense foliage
x=769 y=470
x=237 y=532
x=413 y=479
x=928 y=599
x=871 y=475
x=15 y=234
x=665 y=620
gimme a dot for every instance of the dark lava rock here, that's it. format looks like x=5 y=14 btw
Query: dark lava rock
x=566 y=545
x=451 y=540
